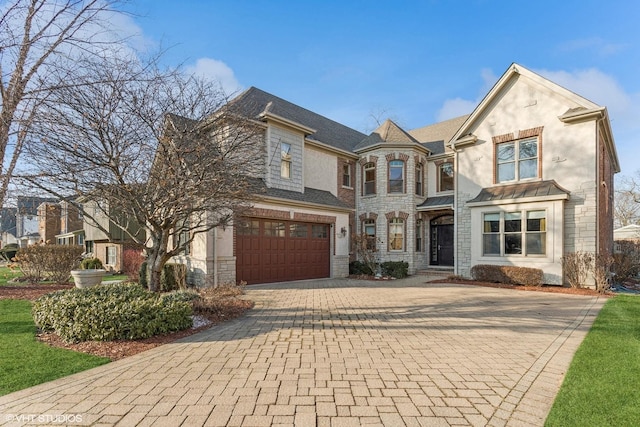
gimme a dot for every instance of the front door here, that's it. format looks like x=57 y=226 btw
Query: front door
x=442 y=241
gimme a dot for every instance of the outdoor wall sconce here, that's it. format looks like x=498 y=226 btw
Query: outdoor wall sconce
x=343 y=232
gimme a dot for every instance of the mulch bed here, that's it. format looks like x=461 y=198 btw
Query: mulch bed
x=556 y=289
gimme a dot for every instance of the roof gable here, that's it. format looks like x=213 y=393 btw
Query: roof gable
x=258 y=104
x=387 y=133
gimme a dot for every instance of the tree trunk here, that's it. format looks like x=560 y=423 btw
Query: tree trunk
x=157 y=257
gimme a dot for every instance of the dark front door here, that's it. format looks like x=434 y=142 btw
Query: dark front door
x=442 y=241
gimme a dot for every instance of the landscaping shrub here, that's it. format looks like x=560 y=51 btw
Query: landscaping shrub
x=359 y=268
x=143 y=274
x=508 y=274
x=91 y=264
x=132 y=259
x=111 y=312
x=576 y=267
x=48 y=262
x=626 y=262
x=173 y=277
x=397 y=269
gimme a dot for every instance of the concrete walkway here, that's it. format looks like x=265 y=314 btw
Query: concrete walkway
x=339 y=353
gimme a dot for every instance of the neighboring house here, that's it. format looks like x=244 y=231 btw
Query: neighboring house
x=109 y=248
x=626 y=237
x=524 y=179
x=8 y=226
x=27 y=223
x=60 y=223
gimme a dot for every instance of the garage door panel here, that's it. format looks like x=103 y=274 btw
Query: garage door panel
x=272 y=251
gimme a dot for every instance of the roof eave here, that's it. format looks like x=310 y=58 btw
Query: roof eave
x=532 y=199
x=286 y=122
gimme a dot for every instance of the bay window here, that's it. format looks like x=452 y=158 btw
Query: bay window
x=520 y=233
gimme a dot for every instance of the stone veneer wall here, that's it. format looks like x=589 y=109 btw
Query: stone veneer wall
x=463 y=223
x=388 y=205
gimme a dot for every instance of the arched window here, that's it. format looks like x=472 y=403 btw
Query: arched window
x=369 y=179
x=396 y=176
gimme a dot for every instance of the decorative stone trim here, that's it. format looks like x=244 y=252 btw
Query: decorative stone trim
x=390 y=156
x=527 y=133
x=390 y=215
x=268 y=213
x=403 y=215
x=369 y=159
x=404 y=157
x=305 y=217
x=419 y=160
x=370 y=215
x=393 y=214
x=503 y=138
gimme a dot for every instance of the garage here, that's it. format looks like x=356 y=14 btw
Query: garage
x=272 y=250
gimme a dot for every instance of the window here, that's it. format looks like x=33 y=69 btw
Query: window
x=111 y=255
x=419 y=235
x=419 y=177
x=507 y=234
x=88 y=246
x=396 y=176
x=369 y=227
x=346 y=175
x=319 y=231
x=274 y=229
x=445 y=177
x=369 y=172
x=285 y=160
x=249 y=227
x=396 y=234
x=517 y=160
x=298 y=230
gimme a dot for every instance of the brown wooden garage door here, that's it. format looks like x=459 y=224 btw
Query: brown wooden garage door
x=278 y=251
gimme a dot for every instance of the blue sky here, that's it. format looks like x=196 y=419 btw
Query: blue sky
x=416 y=62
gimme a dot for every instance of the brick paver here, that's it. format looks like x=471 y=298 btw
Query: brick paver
x=339 y=353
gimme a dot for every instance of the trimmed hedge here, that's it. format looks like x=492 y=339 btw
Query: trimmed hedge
x=111 y=312
x=508 y=274
x=397 y=269
x=91 y=264
x=358 y=268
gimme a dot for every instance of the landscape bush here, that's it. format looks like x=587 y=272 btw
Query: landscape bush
x=142 y=275
x=91 y=264
x=132 y=259
x=359 y=268
x=508 y=274
x=173 y=277
x=576 y=267
x=48 y=262
x=111 y=312
x=397 y=269
x=626 y=261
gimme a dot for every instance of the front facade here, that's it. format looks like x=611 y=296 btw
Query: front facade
x=524 y=179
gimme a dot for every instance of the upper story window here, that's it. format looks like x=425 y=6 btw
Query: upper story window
x=346 y=175
x=285 y=160
x=396 y=176
x=445 y=177
x=419 y=178
x=514 y=233
x=369 y=181
x=517 y=160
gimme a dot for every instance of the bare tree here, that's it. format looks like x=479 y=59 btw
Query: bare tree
x=177 y=174
x=627 y=200
x=38 y=37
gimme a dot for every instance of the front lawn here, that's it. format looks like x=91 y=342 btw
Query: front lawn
x=24 y=361
x=7 y=274
x=601 y=386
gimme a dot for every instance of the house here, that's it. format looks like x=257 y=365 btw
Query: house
x=8 y=226
x=106 y=240
x=27 y=222
x=60 y=223
x=524 y=179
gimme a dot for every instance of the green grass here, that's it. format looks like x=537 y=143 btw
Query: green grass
x=601 y=386
x=24 y=361
x=7 y=274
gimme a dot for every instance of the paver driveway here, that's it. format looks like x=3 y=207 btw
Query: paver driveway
x=340 y=353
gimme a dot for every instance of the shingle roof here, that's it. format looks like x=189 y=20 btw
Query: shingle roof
x=254 y=101
x=521 y=190
x=386 y=132
x=437 y=202
x=434 y=136
x=310 y=195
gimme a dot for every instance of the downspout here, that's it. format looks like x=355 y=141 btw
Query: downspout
x=456 y=259
x=215 y=257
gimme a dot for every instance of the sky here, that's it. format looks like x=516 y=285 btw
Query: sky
x=417 y=62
